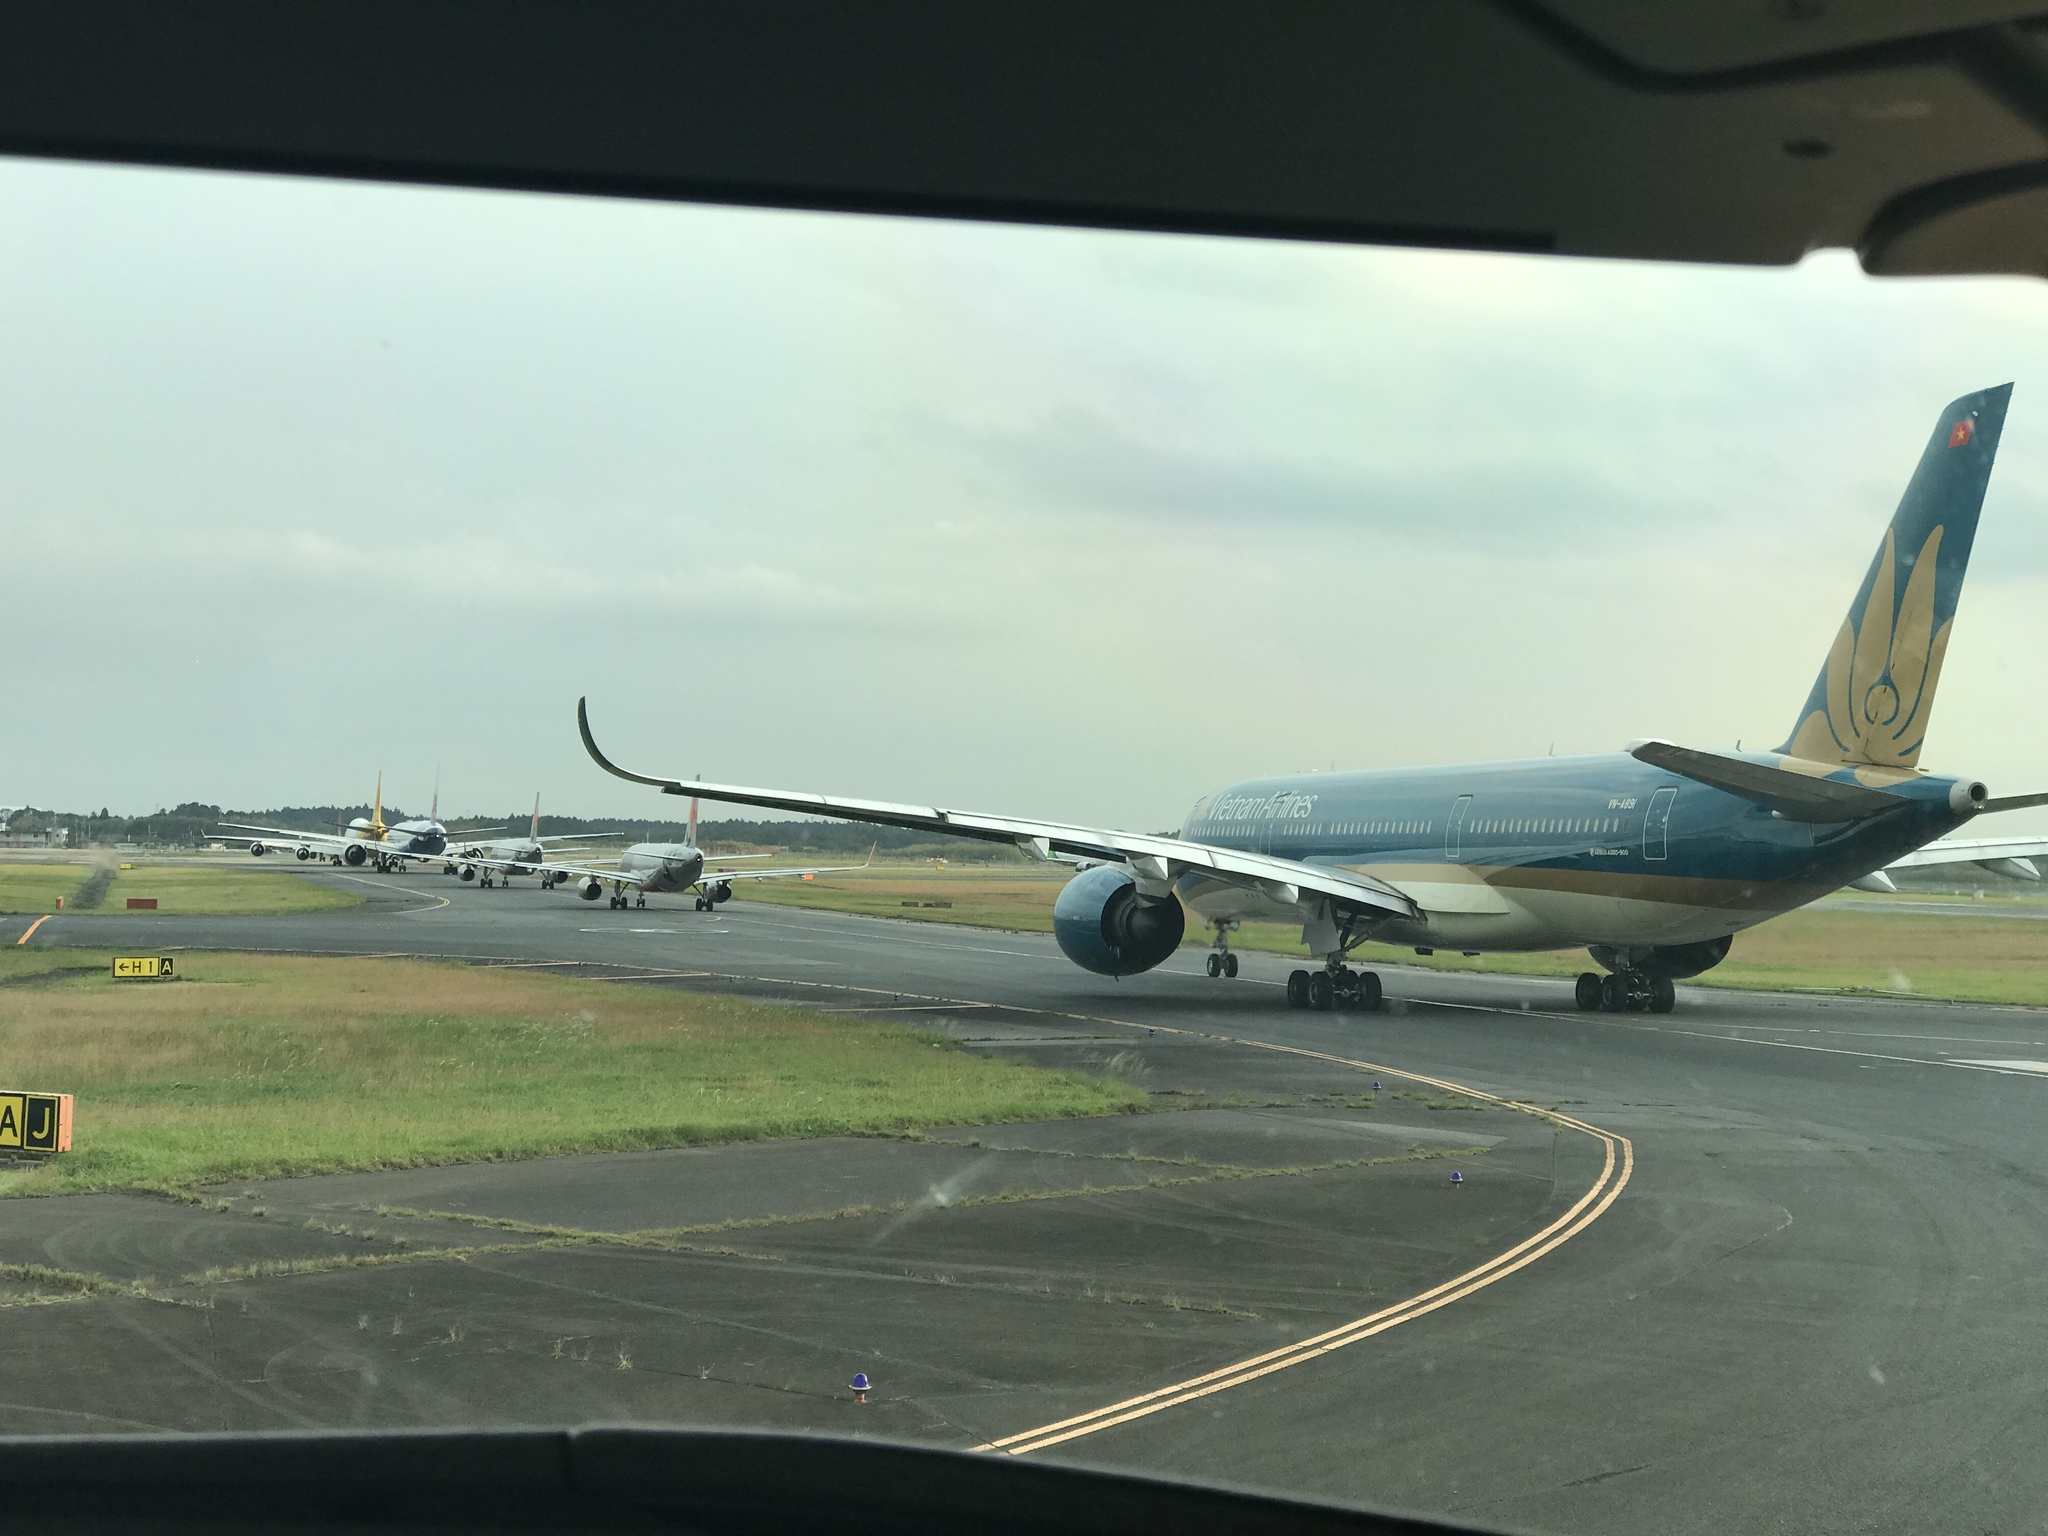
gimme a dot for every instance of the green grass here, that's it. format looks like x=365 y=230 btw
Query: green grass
x=228 y=891
x=21 y=960
x=36 y=887
x=251 y=1066
x=1015 y=898
x=224 y=892
x=1963 y=959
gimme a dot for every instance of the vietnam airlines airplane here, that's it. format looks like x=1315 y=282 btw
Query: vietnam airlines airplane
x=1652 y=858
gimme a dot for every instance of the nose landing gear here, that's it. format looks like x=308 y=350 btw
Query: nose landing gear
x=1221 y=961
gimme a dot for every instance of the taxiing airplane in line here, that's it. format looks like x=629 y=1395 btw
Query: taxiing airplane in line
x=502 y=858
x=365 y=840
x=1652 y=858
x=667 y=868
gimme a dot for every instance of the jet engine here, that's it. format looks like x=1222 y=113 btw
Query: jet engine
x=720 y=892
x=467 y=872
x=590 y=890
x=1106 y=925
x=257 y=850
x=354 y=853
x=1672 y=961
x=305 y=854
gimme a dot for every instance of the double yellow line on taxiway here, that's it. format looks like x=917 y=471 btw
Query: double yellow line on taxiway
x=1614 y=1177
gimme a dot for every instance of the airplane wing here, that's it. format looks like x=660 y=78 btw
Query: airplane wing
x=1156 y=861
x=324 y=843
x=285 y=836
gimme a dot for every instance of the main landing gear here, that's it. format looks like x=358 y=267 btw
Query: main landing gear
x=1625 y=992
x=622 y=901
x=1334 y=986
x=1221 y=961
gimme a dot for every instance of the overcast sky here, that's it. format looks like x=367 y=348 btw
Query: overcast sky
x=304 y=480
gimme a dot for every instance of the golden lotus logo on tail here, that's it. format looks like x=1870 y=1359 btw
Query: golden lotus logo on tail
x=1882 y=670
x=1870 y=705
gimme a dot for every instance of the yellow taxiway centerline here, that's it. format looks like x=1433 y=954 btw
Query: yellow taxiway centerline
x=1615 y=1172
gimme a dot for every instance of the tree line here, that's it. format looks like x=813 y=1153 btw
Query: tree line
x=193 y=825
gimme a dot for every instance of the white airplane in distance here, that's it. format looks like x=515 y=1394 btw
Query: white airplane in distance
x=498 y=860
x=669 y=868
x=365 y=840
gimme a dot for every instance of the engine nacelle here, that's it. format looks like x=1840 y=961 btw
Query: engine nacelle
x=1105 y=925
x=354 y=853
x=720 y=892
x=467 y=872
x=304 y=854
x=590 y=890
x=257 y=850
x=1675 y=962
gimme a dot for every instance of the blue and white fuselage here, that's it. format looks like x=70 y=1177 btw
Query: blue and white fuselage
x=1551 y=853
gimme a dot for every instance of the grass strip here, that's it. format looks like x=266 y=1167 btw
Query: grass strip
x=262 y=1066
x=102 y=890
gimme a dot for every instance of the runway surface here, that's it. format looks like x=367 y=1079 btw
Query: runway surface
x=1814 y=1303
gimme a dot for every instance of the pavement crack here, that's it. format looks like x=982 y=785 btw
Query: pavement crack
x=1601 y=1477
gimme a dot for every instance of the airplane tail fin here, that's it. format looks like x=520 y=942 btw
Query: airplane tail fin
x=377 y=814
x=1872 y=699
x=533 y=832
x=690 y=838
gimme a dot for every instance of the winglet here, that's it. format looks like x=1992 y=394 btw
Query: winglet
x=667 y=786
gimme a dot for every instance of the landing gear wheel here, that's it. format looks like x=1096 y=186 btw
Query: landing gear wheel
x=1663 y=995
x=1588 y=991
x=640 y=902
x=1613 y=994
x=1322 y=991
x=1638 y=992
x=1215 y=966
x=1229 y=964
x=1297 y=989
x=1369 y=993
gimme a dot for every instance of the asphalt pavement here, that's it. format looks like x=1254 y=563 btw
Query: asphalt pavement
x=1767 y=1261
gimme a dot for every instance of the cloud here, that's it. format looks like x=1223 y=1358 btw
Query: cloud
x=317 y=478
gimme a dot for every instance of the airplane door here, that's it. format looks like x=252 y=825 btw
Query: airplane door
x=1454 y=829
x=1657 y=824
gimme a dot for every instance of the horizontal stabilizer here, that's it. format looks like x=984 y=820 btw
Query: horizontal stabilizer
x=1794 y=796
x=2012 y=856
x=2013 y=803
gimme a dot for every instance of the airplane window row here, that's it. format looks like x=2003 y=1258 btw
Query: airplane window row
x=1319 y=829
x=1563 y=825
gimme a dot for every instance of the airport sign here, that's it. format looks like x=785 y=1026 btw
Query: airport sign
x=35 y=1122
x=142 y=968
